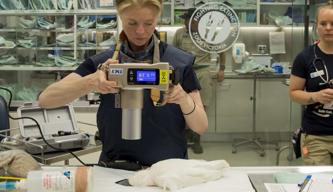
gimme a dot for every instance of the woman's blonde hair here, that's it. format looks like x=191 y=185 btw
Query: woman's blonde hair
x=328 y=5
x=121 y=5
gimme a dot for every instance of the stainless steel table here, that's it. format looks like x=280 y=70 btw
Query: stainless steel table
x=54 y=157
x=261 y=175
x=50 y=158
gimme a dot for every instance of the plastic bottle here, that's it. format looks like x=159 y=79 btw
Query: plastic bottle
x=50 y=181
x=59 y=180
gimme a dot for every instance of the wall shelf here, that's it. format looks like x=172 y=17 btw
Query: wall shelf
x=44 y=59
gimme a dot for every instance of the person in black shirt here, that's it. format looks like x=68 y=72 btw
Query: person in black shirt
x=311 y=84
x=163 y=128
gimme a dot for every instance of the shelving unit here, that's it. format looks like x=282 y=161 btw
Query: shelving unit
x=26 y=65
x=86 y=41
x=78 y=42
x=281 y=3
x=251 y=13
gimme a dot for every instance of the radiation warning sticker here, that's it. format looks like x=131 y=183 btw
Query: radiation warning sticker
x=164 y=77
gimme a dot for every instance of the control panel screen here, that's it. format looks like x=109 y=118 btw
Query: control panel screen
x=143 y=76
x=146 y=76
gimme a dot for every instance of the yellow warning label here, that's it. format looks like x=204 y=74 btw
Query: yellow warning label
x=164 y=77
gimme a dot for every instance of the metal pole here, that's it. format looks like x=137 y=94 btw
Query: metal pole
x=254 y=131
x=307 y=4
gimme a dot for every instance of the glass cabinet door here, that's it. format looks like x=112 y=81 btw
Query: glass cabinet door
x=281 y=12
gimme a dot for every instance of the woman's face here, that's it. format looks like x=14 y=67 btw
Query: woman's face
x=139 y=24
x=325 y=25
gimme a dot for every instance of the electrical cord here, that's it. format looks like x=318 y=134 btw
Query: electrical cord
x=40 y=130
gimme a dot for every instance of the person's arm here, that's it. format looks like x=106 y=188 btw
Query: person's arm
x=66 y=90
x=299 y=95
x=220 y=73
x=191 y=106
x=74 y=86
x=197 y=120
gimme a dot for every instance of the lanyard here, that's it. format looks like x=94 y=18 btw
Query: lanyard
x=326 y=80
x=323 y=63
x=156 y=53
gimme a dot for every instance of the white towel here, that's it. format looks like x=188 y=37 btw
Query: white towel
x=18 y=162
x=174 y=174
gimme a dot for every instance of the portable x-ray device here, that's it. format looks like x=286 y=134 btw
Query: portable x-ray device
x=132 y=79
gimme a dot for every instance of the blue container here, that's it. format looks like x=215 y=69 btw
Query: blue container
x=278 y=69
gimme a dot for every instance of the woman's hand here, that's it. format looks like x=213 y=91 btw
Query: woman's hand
x=191 y=106
x=176 y=94
x=102 y=84
x=324 y=96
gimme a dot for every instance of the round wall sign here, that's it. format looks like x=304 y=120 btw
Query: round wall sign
x=214 y=27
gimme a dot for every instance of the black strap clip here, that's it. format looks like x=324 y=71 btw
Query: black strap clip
x=122 y=164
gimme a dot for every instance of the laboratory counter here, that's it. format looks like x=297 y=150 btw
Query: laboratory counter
x=252 y=179
x=235 y=75
x=236 y=179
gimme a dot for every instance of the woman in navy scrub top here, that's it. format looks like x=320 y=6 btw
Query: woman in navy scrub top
x=163 y=128
x=311 y=84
